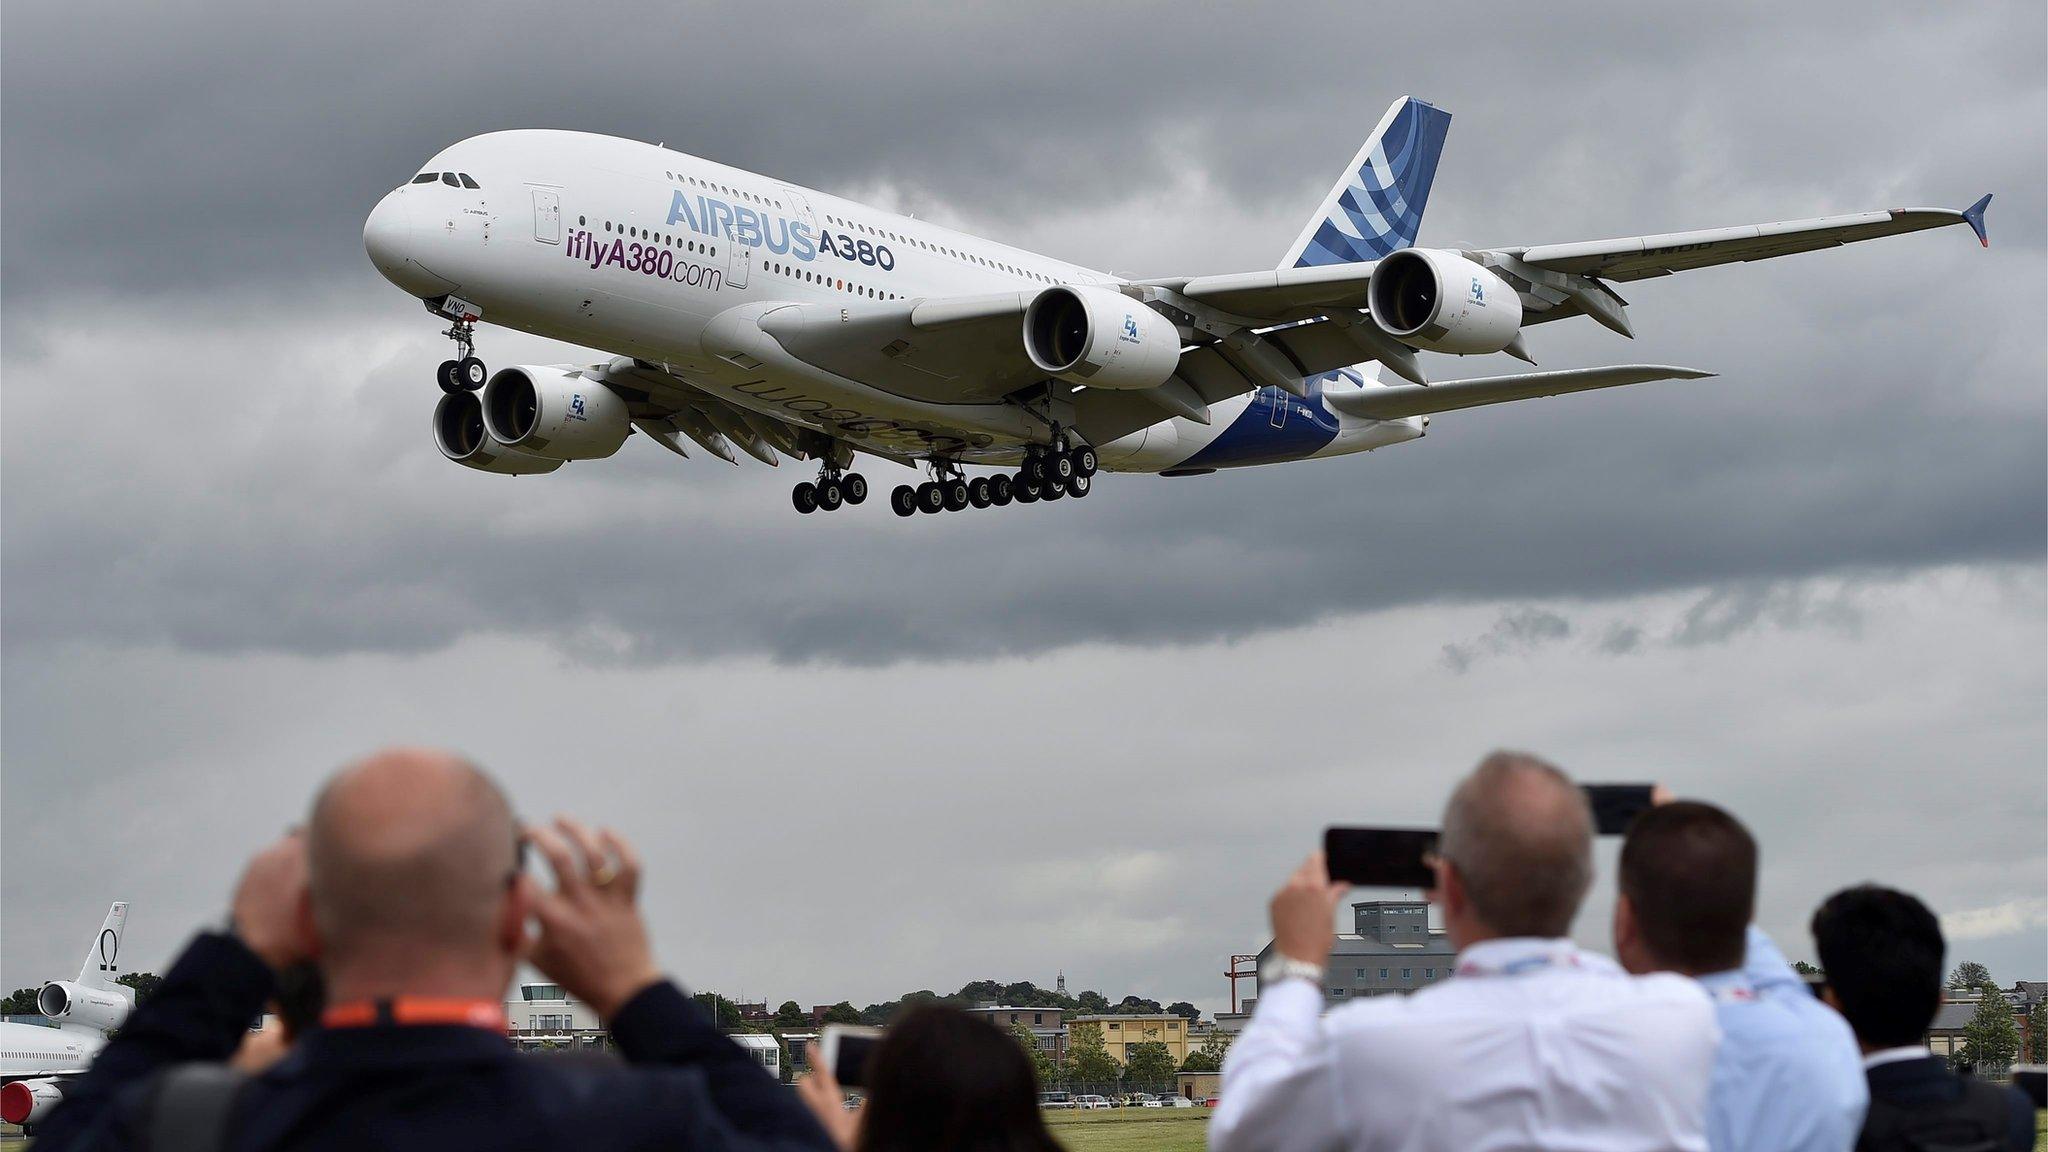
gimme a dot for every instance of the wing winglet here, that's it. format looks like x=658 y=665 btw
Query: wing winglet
x=1975 y=215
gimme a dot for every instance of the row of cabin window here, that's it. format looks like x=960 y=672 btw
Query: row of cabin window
x=633 y=233
x=706 y=184
x=448 y=178
x=953 y=252
x=809 y=277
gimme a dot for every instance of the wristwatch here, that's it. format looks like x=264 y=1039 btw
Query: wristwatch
x=1280 y=967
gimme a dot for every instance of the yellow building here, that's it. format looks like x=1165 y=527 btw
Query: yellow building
x=1119 y=1032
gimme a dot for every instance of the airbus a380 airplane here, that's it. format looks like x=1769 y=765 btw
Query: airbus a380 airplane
x=34 y=1060
x=750 y=315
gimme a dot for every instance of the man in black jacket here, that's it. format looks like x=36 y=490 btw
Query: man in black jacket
x=406 y=890
x=1882 y=951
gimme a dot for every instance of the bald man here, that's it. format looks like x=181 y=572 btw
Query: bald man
x=406 y=891
x=1534 y=1044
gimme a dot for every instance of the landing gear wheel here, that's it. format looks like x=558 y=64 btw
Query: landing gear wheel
x=1034 y=467
x=449 y=376
x=854 y=487
x=980 y=493
x=1085 y=460
x=805 y=497
x=957 y=498
x=1060 y=468
x=1001 y=490
x=1024 y=492
x=1079 y=485
x=1052 y=490
x=830 y=496
x=904 y=500
x=930 y=497
x=471 y=372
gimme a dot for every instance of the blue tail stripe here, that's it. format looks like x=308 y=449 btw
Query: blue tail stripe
x=1381 y=210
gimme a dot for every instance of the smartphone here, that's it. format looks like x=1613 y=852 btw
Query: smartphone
x=845 y=1049
x=1380 y=857
x=2033 y=1080
x=1615 y=806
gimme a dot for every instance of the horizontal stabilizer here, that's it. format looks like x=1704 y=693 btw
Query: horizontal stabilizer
x=1420 y=400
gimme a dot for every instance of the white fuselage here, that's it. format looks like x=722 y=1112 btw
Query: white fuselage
x=634 y=249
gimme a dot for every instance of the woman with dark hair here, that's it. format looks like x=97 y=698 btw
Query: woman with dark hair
x=940 y=1081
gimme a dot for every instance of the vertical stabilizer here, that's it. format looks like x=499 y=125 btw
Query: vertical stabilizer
x=1377 y=203
x=101 y=967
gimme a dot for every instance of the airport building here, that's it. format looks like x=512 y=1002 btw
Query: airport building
x=1390 y=949
x=1047 y=1025
x=543 y=1016
x=1119 y=1032
x=763 y=1048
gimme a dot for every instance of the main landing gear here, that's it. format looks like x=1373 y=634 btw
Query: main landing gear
x=465 y=373
x=1048 y=474
x=832 y=489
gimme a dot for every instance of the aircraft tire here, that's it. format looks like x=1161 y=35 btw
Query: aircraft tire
x=1085 y=460
x=979 y=493
x=447 y=377
x=830 y=496
x=855 y=487
x=1060 y=468
x=805 y=497
x=1052 y=490
x=956 y=495
x=471 y=372
x=930 y=498
x=1079 y=485
x=1034 y=467
x=904 y=500
x=1001 y=489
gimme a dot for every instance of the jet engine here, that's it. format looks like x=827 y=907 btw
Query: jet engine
x=460 y=434
x=69 y=1003
x=1436 y=300
x=551 y=413
x=1099 y=337
x=24 y=1102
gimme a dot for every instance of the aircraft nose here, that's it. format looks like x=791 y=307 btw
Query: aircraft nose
x=386 y=235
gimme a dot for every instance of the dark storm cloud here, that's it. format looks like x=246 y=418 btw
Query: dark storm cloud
x=215 y=430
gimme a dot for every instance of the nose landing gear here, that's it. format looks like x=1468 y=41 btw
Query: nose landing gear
x=465 y=373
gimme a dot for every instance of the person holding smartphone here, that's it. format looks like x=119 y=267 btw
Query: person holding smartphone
x=1535 y=1043
x=937 y=1080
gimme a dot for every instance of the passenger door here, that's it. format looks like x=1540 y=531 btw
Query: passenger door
x=739 y=259
x=547 y=216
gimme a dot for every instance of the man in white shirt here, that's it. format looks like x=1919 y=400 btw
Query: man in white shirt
x=1534 y=1045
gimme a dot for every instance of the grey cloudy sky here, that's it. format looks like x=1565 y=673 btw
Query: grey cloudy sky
x=1812 y=586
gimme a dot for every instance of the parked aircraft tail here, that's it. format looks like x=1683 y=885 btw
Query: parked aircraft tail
x=100 y=968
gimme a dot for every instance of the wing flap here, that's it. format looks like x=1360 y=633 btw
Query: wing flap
x=1420 y=400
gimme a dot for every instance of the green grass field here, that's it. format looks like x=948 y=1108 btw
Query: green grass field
x=1132 y=1129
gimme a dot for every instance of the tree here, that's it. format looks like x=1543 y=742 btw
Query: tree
x=1991 y=1039
x=725 y=1015
x=1148 y=1063
x=1133 y=1006
x=791 y=1015
x=144 y=983
x=1185 y=1010
x=2037 y=1034
x=842 y=1013
x=1207 y=1058
x=1805 y=969
x=1969 y=974
x=20 y=1002
x=1041 y=1060
x=1092 y=1003
x=1088 y=1058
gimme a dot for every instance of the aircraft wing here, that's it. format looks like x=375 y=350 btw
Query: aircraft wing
x=1406 y=400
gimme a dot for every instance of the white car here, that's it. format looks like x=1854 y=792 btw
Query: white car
x=1087 y=1102
x=1145 y=1100
x=1176 y=1102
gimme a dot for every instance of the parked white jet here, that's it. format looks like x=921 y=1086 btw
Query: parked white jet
x=35 y=1059
x=750 y=315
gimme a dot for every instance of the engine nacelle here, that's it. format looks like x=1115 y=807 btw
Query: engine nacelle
x=547 y=412
x=1099 y=337
x=70 y=1003
x=1437 y=300
x=24 y=1102
x=460 y=435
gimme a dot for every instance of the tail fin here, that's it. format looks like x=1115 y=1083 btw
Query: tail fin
x=1377 y=204
x=100 y=969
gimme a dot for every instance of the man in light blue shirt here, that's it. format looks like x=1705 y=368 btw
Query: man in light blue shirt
x=1788 y=1076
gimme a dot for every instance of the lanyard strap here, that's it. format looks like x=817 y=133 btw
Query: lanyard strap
x=402 y=1011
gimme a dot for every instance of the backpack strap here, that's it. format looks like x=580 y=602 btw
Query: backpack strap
x=190 y=1107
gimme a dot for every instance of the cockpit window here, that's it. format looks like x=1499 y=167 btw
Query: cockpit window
x=466 y=181
x=426 y=177
x=448 y=178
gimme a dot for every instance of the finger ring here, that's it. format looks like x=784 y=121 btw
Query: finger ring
x=603 y=875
